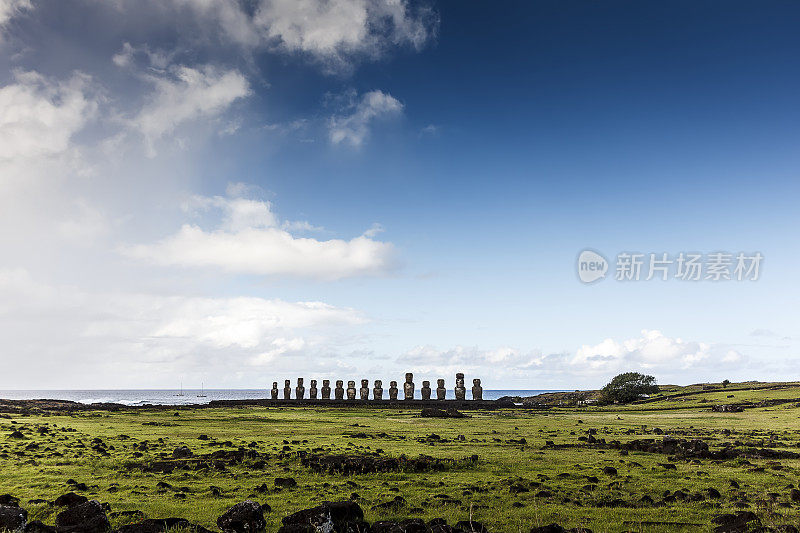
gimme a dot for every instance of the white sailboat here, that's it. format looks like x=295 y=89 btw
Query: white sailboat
x=202 y=388
x=181 y=393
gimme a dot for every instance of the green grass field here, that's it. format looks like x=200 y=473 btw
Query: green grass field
x=511 y=487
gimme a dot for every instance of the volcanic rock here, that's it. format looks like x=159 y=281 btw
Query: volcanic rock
x=244 y=517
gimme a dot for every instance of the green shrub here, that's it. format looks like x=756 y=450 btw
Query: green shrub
x=628 y=387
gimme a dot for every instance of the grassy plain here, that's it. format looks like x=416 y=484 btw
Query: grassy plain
x=512 y=487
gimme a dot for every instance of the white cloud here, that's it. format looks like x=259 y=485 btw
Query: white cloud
x=463 y=356
x=151 y=339
x=87 y=224
x=9 y=9
x=39 y=116
x=353 y=127
x=243 y=322
x=250 y=239
x=303 y=226
x=280 y=347
x=431 y=130
x=652 y=350
x=504 y=365
x=335 y=30
x=591 y=365
x=183 y=94
x=127 y=57
x=762 y=332
x=732 y=356
x=233 y=21
x=238 y=213
x=375 y=230
x=333 y=33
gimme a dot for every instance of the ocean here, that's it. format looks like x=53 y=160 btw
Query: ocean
x=196 y=396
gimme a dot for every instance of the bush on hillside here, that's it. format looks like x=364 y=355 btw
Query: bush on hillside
x=628 y=387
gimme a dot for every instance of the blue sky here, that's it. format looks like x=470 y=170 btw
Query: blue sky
x=241 y=192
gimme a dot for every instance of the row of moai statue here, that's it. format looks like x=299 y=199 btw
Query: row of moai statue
x=352 y=393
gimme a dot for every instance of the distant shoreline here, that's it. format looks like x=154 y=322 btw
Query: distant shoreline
x=68 y=406
x=174 y=397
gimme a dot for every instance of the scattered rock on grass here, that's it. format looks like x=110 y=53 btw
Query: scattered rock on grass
x=244 y=517
x=69 y=499
x=433 y=412
x=398 y=503
x=8 y=499
x=410 y=525
x=182 y=452
x=334 y=517
x=469 y=526
x=87 y=517
x=159 y=525
x=727 y=408
x=36 y=526
x=556 y=528
x=13 y=518
x=366 y=464
x=734 y=523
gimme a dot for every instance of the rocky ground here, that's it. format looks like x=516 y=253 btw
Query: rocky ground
x=668 y=465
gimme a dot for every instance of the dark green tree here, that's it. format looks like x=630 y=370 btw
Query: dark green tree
x=725 y=383
x=628 y=387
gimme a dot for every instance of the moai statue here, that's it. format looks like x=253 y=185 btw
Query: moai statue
x=312 y=392
x=364 y=390
x=408 y=386
x=477 y=390
x=300 y=391
x=274 y=391
x=287 y=389
x=339 y=392
x=326 y=389
x=392 y=390
x=377 y=392
x=426 y=390
x=461 y=390
x=351 y=390
x=441 y=392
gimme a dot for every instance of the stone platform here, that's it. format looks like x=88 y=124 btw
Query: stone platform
x=368 y=404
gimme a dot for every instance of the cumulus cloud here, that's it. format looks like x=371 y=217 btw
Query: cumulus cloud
x=182 y=94
x=353 y=127
x=243 y=322
x=336 y=30
x=335 y=34
x=653 y=350
x=154 y=338
x=499 y=365
x=39 y=116
x=589 y=365
x=237 y=213
x=250 y=239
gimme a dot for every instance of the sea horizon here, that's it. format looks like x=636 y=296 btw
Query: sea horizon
x=137 y=397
